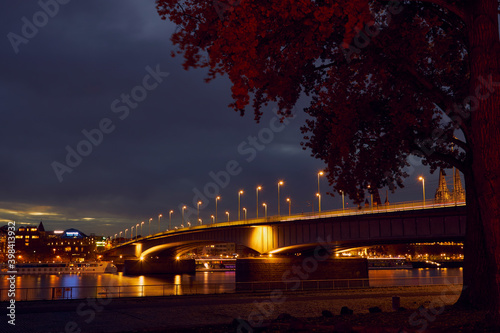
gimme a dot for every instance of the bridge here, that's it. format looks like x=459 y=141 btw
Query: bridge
x=406 y=222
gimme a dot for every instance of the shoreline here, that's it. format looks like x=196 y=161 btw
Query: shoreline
x=194 y=312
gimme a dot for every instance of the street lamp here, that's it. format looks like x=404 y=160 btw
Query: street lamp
x=132 y=232
x=342 y=200
x=159 y=217
x=126 y=233
x=213 y=218
x=239 y=195
x=120 y=234
x=141 y=228
x=201 y=222
x=227 y=213
x=265 y=209
x=170 y=219
x=319 y=202
x=257 y=191
x=289 y=206
x=149 y=225
x=136 y=227
x=183 y=208
x=423 y=186
x=321 y=173
x=199 y=203
x=216 y=199
x=279 y=183
x=245 y=210
x=371 y=197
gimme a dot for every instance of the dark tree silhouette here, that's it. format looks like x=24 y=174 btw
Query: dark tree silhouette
x=387 y=80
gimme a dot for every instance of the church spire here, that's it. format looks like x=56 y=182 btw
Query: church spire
x=442 y=193
x=458 y=190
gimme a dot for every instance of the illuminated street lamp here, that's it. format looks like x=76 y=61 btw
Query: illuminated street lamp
x=227 y=213
x=170 y=219
x=149 y=226
x=183 y=208
x=289 y=206
x=245 y=210
x=132 y=232
x=239 y=195
x=321 y=173
x=265 y=209
x=120 y=234
x=189 y=224
x=342 y=200
x=216 y=199
x=423 y=186
x=257 y=191
x=141 y=228
x=126 y=233
x=371 y=197
x=319 y=202
x=213 y=218
x=159 y=218
x=199 y=203
x=200 y=221
x=279 y=183
x=136 y=227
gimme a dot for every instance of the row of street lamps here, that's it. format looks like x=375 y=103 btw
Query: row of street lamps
x=214 y=219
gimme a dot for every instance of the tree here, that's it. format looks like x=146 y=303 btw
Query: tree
x=388 y=80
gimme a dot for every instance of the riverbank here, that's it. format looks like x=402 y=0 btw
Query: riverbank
x=213 y=313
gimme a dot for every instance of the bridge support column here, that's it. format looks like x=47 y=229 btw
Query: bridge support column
x=159 y=266
x=293 y=272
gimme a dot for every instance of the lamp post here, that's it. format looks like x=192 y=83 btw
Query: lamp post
x=227 y=213
x=216 y=199
x=371 y=197
x=132 y=232
x=170 y=219
x=126 y=233
x=149 y=226
x=257 y=191
x=289 y=206
x=319 y=202
x=199 y=203
x=321 y=173
x=200 y=221
x=120 y=234
x=423 y=187
x=245 y=210
x=239 y=196
x=136 y=227
x=183 y=208
x=213 y=218
x=279 y=183
x=265 y=209
x=342 y=200
x=159 y=218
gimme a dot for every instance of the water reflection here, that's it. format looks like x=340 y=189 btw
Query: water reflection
x=37 y=287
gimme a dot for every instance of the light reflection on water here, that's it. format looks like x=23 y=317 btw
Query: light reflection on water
x=61 y=286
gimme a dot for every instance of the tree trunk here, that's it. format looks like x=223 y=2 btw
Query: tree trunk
x=482 y=245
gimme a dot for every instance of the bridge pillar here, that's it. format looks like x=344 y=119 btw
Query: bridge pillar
x=159 y=266
x=292 y=271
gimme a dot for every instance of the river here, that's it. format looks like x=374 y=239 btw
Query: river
x=65 y=286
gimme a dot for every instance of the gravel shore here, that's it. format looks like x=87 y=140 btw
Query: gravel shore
x=214 y=313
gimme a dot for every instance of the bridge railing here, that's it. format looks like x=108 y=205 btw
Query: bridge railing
x=361 y=210
x=173 y=289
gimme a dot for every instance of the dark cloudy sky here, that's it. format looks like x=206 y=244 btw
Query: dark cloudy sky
x=73 y=73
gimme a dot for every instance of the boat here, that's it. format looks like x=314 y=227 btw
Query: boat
x=64 y=268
